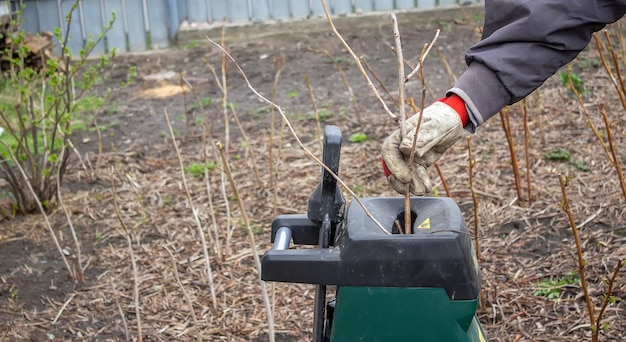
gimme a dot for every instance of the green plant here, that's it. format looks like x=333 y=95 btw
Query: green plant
x=293 y=94
x=558 y=154
x=39 y=109
x=191 y=45
x=576 y=81
x=323 y=114
x=358 y=137
x=205 y=101
x=197 y=169
x=563 y=155
x=257 y=112
x=553 y=288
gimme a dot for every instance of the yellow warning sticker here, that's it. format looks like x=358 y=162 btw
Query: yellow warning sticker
x=425 y=224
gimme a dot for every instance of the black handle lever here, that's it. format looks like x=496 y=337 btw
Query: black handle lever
x=327 y=197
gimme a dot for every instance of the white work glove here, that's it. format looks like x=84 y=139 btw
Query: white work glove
x=441 y=127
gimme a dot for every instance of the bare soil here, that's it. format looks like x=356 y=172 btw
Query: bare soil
x=523 y=243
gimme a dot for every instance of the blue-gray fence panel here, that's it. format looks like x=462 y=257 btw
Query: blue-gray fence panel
x=342 y=6
x=31 y=19
x=136 y=25
x=182 y=9
x=299 y=9
x=238 y=10
x=383 y=5
x=260 y=10
x=145 y=24
x=426 y=3
x=364 y=5
x=196 y=11
x=157 y=17
x=48 y=15
x=92 y=22
x=281 y=9
x=404 y=4
x=316 y=7
x=219 y=11
x=116 y=37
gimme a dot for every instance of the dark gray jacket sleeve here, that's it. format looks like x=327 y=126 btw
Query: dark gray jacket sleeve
x=524 y=43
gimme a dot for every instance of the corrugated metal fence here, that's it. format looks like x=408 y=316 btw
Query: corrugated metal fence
x=150 y=24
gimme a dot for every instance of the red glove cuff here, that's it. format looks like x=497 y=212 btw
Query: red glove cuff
x=386 y=170
x=458 y=105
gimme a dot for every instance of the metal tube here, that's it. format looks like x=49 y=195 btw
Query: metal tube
x=282 y=239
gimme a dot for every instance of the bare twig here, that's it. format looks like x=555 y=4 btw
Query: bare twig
x=250 y=150
x=475 y=200
x=120 y=311
x=607 y=68
x=403 y=116
x=616 y=162
x=255 y=252
x=183 y=88
x=572 y=87
x=380 y=82
x=527 y=137
x=132 y=258
x=207 y=178
x=606 y=301
x=295 y=135
x=452 y=77
x=344 y=78
x=506 y=126
x=273 y=169
x=421 y=112
x=78 y=273
x=616 y=64
x=194 y=211
x=67 y=302
x=358 y=63
x=579 y=253
x=423 y=57
x=180 y=285
x=307 y=79
x=443 y=180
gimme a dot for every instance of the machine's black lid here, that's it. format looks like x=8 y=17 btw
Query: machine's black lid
x=438 y=254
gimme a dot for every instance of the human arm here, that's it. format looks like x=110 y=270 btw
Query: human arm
x=524 y=43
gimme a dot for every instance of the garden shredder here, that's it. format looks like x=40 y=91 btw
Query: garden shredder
x=396 y=287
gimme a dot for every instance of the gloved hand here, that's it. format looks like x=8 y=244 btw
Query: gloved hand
x=442 y=126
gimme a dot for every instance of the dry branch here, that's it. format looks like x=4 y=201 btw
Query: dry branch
x=506 y=126
x=475 y=201
x=358 y=63
x=615 y=159
x=180 y=285
x=255 y=252
x=579 y=253
x=295 y=135
x=527 y=136
x=194 y=211
x=132 y=258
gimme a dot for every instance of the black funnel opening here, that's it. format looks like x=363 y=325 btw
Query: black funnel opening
x=399 y=223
